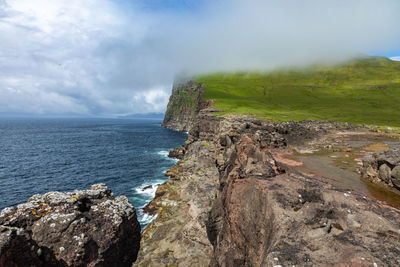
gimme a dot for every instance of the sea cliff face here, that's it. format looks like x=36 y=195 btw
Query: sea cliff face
x=184 y=104
x=233 y=200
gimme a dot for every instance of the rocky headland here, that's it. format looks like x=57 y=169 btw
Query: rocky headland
x=234 y=199
x=80 y=228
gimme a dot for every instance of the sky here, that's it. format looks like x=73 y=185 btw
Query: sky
x=110 y=58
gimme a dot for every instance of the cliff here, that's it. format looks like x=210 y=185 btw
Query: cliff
x=80 y=228
x=184 y=104
x=233 y=200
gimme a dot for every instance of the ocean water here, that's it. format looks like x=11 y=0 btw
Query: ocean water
x=41 y=155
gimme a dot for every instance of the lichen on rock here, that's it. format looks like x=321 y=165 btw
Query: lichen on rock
x=80 y=228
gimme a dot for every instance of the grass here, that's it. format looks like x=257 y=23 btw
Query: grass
x=364 y=91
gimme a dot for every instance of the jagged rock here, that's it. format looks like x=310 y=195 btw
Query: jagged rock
x=281 y=218
x=80 y=228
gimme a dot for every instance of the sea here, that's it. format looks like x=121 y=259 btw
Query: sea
x=47 y=154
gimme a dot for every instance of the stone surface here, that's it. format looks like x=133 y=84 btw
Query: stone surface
x=395 y=176
x=385 y=173
x=80 y=228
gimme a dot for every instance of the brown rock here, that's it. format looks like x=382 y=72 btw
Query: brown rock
x=396 y=176
x=177 y=153
x=384 y=173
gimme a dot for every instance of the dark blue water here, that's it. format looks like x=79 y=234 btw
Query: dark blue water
x=41 y=155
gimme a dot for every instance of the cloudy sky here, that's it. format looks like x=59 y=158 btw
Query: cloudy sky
x=115 y=57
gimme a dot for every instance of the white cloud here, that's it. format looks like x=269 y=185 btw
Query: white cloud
x=70 y=56
x=395 y=58
x=154 y=99
x=103 y=57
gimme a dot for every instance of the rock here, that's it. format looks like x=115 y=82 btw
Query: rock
x=147 y=187
x=385 y=173
x=383 y=167
x=80 y=228
x=395 y=176
x=390 y=157
x=177 y=153
x=371 y=172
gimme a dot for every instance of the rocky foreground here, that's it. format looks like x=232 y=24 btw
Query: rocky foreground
x=233 y=201
x=80 y=228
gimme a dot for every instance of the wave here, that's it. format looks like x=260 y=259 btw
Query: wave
x=164 y=154
x=142 y=196
x=147 y=190
x=146 y=218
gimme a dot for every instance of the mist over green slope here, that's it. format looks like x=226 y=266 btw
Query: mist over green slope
x=364 y=91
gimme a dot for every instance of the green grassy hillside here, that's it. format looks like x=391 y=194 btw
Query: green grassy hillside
x=365 y=91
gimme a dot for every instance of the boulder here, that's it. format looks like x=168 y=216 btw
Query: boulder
x=80 y=228
x=395 y=176
x=384 y=173
x=390 y=157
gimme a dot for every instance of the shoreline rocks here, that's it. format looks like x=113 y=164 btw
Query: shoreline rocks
x=80 y=228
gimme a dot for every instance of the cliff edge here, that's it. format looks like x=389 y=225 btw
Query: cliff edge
x=233 y=200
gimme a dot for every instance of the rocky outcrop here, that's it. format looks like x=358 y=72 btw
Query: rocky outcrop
x=383 y=167
x=184 y=104
x=80 y=228
x=267 y=214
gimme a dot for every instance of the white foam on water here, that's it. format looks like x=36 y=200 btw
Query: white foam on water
x=164 y=154
x=146 y=219
x=149 y=192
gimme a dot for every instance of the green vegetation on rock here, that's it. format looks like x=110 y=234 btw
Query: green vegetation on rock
x=364 y=91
